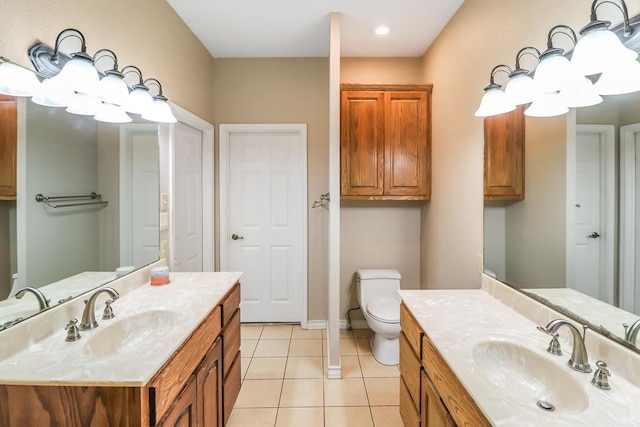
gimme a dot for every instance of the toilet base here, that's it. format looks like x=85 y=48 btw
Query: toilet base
x=385 y=351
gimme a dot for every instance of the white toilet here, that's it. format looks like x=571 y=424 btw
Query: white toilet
x=380 y=304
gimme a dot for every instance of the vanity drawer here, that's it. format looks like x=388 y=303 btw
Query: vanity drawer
x=170 y=380
x=230 y=343
x=411 y=329
x=462 y=408
x=230 y=304
x=231 y=388
x=410 y=369
x=408 y=412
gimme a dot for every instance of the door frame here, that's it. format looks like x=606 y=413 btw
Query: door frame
x=607 y=206
x=224 y=133
x=167 y=157
x=628 y=172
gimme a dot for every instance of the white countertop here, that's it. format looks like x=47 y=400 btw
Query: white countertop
x=50 y=360
x=456 y=320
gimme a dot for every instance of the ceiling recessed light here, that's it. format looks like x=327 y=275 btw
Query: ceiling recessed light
x=382 y=30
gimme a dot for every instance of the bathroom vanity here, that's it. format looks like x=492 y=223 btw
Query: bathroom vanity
x=475 y=358
x=171 y=356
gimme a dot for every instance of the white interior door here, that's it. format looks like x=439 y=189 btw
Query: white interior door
x=139 y=205
x=593 y=250
x=187 y=198
x=264 y=229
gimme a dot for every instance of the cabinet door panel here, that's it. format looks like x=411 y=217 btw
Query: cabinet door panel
x=504 y=156
x=183 y=412
x=408 y=149
x=362 y=143
x=8 y=146
x=209 y=379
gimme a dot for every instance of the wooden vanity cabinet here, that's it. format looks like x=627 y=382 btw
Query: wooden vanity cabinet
x=504 y=136
x=430 y=394
x=8 y=146
x=385 y=142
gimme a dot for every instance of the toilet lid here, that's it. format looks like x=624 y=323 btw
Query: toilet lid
x=385 y=310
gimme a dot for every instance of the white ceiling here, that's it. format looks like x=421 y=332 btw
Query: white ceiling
x=300 y=28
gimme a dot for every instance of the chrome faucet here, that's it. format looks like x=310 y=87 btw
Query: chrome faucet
x=42 y=300
x=631 y=334
x=88 y=315
x=579 y=359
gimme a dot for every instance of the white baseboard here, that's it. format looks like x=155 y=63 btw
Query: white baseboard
x=317 y=324
x=334 y=372
x=322 y=324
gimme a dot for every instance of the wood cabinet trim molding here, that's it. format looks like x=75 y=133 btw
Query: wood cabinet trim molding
x=386 y=88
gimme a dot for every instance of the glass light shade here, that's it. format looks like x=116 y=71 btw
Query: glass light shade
x=521 y=88
x=17 y=81
x=547 y=105
x=598 y=50
x=52 y=95
x=84 y=105
x=494 y=102
x=621 y=80
x=553 y=72
x=139 y=100
x=112 y=113
x=79 y=74
x=113 y=89
x=580 y=93
x=160 y=112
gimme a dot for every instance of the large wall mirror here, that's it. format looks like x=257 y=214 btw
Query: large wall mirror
x=574 y=241
x=68 y=250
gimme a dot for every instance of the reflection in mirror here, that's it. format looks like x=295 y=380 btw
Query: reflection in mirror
x=67 y=250
x=575 y=239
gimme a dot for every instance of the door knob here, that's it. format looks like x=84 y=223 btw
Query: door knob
x=236 y=237
x=593 y=235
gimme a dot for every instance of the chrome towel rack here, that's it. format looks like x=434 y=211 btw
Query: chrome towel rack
x=63 y=201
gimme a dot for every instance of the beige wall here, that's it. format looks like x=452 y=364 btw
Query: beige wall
x=286 y=91
x=145 y=33
x=482 y=34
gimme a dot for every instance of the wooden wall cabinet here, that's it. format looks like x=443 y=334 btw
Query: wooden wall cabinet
x=385 y=142
x=192 y=389
x=430 y=393
x=504 y=156
x=8 y=146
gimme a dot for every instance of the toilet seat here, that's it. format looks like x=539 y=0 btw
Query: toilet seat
x=386 y=310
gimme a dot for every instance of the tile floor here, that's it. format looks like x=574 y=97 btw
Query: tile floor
x=285 y=385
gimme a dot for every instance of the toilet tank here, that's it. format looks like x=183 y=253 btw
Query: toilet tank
x=377 y=283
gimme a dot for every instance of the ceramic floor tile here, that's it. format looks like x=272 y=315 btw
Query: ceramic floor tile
x=304 y=347
x=345 y=392
x=266 y=368
x=382 y=391
x=362 y=333
x=350 y=367
x=344 y=333
x=250 y=332
x=247 y=347
x=259 y=394
x=244 y=366
x=386 y=416
x=252 y=417
x=348 y=417
x=371 y=368
x=348 y=347
x=276 y=332
x=302 y=393
x=296 y=417
x=299 y=333
x=363 y=347
x=272 y=348
x=304 y=367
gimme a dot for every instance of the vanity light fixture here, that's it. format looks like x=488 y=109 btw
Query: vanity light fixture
x=78 y=73
x=160 y=111
x=382 y=30
x=521 y=88
x=112 y=87
x=495 y=101
x=51 y=95
x=16 y=80
x=139 y=100
x=600 y=49
x=548 y=104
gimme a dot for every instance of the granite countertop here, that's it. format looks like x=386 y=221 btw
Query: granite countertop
x=47 y=359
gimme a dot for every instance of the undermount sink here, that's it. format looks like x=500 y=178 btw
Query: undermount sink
x=528 y=380
x=129 y=333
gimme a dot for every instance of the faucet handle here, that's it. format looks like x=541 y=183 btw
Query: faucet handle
x=73 y=334
x=554 y=344
x=108 y=310
x=601 y=376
